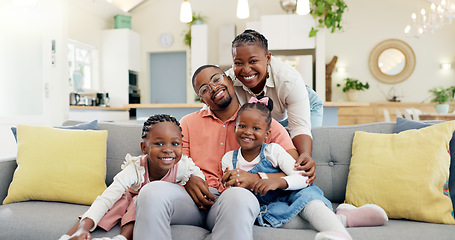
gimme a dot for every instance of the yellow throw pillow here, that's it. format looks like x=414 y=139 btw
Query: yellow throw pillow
x=403 y=173
x=58 y=165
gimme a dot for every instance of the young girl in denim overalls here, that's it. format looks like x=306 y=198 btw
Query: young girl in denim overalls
x=283 y=198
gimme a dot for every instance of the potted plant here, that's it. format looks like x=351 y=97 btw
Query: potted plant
x=352 y=86
x=197 y=19
x=451 y=90
x=328 y=13
x=441 y=96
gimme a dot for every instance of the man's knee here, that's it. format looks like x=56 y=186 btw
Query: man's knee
x=240 y=198
x=157 y=192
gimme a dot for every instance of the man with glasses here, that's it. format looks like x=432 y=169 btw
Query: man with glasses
x=207 y=135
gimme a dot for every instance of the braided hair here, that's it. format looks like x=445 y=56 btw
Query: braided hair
x=154 y=119
x=265 y=110
x=250 y=36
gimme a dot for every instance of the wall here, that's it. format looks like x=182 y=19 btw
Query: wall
x=366 y=23
x=369 y=22
x=155 y=17
x=86 y=20
x=33 y=90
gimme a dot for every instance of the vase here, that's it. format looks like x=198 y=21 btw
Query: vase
x=352 y=95
x=442 y=108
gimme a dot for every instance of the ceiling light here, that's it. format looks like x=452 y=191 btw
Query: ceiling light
x=243 y=10
x=303 y=7
x=186 y=14
x=446 y=66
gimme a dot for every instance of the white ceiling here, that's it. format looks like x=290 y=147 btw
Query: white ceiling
x=105 y=9
x=126 y=5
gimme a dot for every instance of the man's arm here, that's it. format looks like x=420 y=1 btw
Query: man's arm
x=196 y=187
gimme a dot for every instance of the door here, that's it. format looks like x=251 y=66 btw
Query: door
x=168 y=77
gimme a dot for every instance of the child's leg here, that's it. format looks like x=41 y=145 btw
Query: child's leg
x=127 y=230
x=324 y=220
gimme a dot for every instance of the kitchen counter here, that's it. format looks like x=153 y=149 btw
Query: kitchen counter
x=100 y=108
x=199 y=105
x=178 y=110
x=102 y=114
x=165 y=105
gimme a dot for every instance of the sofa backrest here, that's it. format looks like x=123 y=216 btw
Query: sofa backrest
x=332 y=151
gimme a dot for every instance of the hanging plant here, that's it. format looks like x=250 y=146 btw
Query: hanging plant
x=197 y=19
x=328 y=13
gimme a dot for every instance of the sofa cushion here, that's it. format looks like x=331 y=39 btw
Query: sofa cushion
x=403 y=173
x=58 y=165
x=332 y=148
x=93 y=125
x=404 y=124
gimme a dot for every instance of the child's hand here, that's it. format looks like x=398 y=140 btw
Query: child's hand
x=240 y=178
x=264 y=185
x=226 y=175
x=198 y=189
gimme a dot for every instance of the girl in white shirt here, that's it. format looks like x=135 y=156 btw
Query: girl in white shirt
x=163 y=161
x=283 y=198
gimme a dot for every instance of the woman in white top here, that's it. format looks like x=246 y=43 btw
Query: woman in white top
x=256 y=73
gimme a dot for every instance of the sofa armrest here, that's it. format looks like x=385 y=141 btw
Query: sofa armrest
x=7 y=167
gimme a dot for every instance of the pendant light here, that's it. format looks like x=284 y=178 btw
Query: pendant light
x=303 y=7
x=186 y=14
x=243 y=10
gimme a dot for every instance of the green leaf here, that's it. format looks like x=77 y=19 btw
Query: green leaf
x=312 y=32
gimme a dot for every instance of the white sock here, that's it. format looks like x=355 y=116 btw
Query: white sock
x=342 y=219
x=322 y=218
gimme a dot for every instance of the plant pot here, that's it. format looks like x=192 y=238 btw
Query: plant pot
x=352 y=95
x=442 y=108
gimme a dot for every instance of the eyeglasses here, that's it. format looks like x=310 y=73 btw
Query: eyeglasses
x=216 y=80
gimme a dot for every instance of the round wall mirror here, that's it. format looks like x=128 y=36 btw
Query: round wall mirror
x=392 y=61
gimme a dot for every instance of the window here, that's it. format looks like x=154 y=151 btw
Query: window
x=81 y=66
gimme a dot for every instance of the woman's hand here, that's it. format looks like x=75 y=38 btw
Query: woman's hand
x=306 y=163
x=239 y=178
x=198 y=189
x=264 y=185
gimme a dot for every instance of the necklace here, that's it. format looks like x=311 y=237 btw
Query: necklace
x=254 y=94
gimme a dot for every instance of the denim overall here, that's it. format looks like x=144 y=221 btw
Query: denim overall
x=279 y=206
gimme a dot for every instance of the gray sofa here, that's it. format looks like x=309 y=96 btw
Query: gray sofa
x=332 y=153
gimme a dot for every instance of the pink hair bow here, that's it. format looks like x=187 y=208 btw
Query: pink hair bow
x=264 y=100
